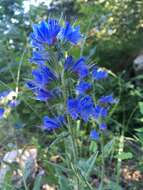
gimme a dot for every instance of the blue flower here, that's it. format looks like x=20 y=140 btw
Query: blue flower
x=100 y=112
x=1 y=112
x=13 y=103
x=78 y=67
x=39 y=57
x=4 y=94
x=94 y=135
x=81 y=68
x=103 y=126
x=107 y=99
x=51 y=124
x=85 y=107
x=69 y=62
x=43 y=75
x=70 y=33
x=83 y=86
x=98 y=74
x=32 y=85
x=56 y=92
x=82 y=106
x=72 y=108
x=43 y=95
x=45 y=33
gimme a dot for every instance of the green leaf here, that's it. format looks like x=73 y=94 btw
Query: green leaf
x=64 y=183
x=90 y=163
x=93 y=146
x=112 y=186
x=141 y=107
x=109 y=147
x=37 y=183
x=125 y=156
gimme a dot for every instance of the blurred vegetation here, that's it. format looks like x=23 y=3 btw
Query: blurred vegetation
x=114 y=37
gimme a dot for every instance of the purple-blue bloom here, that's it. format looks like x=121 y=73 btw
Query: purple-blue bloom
x=51 y=124
x=13 y=103
x=107 y=99
x=81 y=68
x=32 y=85
x=103 y=126
x=4 y=94
x=85 y=107
x=39 y=57
x=83 y=87
x=69 y=62
x=98 y=74
x=94 y=135
x=70 y=33
x=45 y=33
x=1 y=112
x=43 y=75
x=78 y=67
x=72 y=108
x=43 y=95
x=100 y=112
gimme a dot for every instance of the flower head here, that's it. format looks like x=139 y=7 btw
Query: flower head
x=98 y=74
x=1 y=112
x=43 y=75
x=13 y=103
x=85 y=107
x=83 y=87
x=72 y=108
x=78 y=67
x=51 y=124
x=70 y=33
x=99 y=112
x=107 y=100
x=94 y=135
x=43 y=95
x=45 y=33
x=39 y=57
x=4 y=94
x=103 y=126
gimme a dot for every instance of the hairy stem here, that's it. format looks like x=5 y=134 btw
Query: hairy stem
x=103 y=165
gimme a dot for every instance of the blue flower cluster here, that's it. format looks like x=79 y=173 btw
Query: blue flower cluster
x=80 y=104
x=7 y=100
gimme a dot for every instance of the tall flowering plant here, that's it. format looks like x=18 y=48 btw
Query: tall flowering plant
x=59 y=77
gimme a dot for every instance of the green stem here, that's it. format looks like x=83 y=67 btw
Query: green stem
x=70 y=130
x=119 y=160
x=103 y=164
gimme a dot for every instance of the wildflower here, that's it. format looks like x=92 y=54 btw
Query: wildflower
x=78 y=67
x=4 y=94
x=83 y=86
x=102 y=126
x=45 y=33
x=31 y=85
x=39 y=57
x=1 y=112
x=72 y=108
x=98 y=74
x=43 y=75
x=43 y=95
x=107 y=99
x=94 y=135
x=69 y=62
x=52 y=123
x=85 y=107
x=13 y=103
x=99 y=112
x=81 y=68
x=70 y=33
